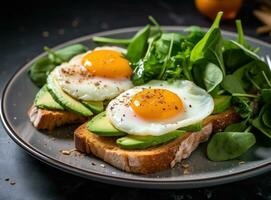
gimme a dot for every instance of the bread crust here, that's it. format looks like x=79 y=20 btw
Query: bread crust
x=153 y=159
x=50 y=119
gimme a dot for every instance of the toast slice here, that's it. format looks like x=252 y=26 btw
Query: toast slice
x=49 y=119
x=153 y=159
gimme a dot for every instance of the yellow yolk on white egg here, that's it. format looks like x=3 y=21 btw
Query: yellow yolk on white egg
x=157 y=104
x=159 y=107
x=97 y=75
x=107 y=63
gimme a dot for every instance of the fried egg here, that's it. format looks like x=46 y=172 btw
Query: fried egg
x=96 y=75
x=159 y=107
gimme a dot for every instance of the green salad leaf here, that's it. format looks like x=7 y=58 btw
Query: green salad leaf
x=208 y=75
x=209 y=48
x=40 y=69
x=138 y=44
x=229 y=145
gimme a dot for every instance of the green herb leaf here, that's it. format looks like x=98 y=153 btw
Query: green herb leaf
x=229 y=145
x=237 y=127
x=40 y=69
x=232 y=84
x=207 y=76
x=137 y=46
x=263 y=124
x=66 y=53
x=210 y=46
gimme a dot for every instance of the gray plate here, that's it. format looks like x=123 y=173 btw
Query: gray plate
x=20 y=92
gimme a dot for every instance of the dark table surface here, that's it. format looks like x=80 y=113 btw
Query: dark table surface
x=28 y=26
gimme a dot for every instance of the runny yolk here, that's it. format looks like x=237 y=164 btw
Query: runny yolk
x=157 y=104
x=107 y=63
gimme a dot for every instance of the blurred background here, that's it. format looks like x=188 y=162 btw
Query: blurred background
x=27 y=26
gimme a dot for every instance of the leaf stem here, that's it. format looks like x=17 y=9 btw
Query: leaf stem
x=50 y=51
x=240 y=32
x=167 y=58
x=266 y=79
x=248 y=128
x=244 y=95
x=151 y=18
x=111 y=40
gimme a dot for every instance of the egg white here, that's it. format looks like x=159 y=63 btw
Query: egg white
x=198 y=104
x=76 y=80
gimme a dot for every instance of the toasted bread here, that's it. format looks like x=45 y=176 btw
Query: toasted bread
x=153 y=159
x=49 y=119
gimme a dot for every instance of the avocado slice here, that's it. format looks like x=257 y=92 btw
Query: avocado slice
x=142 y=142
x=100 y=125
x=193 y=127
x=45 y=100
x=222 y=103
x=94 y=106
x=64 y=99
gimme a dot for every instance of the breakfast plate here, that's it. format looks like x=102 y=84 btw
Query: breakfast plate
x=56 y=147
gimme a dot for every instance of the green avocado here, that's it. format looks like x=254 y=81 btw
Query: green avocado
x=44 y=100
x=100 y=125
x=64 y=99
x=222 y=103
x=142 y=142
x=94 y=106
x=193 y=127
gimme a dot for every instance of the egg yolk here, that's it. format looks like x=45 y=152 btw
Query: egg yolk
x=157 y=104
x=107 y=63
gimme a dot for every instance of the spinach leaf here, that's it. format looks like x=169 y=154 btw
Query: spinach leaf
x=210 y=46
x=266 y=117
x=243 y=106
x=259 y=75
x=148 y=67
x=42 y=67
x=40 y=70
x=263 y=124
x=138 y=44
x=229 y=145
x=65 y=54
x=207 y=76
x=234 y=57
x=232 y=84
x=195 y=34
x=266 y=95
x=237 y=127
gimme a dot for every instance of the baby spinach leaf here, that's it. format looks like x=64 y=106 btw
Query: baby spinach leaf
x=237 y=127
x=195 y=34
x=210 y=46
x=243 y=106
x=266 y=117
x=238 y=53
x=42 y=67
x=137 y=46
x=263 y=125
x=207 y=76
x=66 y=53
x=229 y=145
x=234 y=57
x=259 y=74
x=40 y=70
x=266 y=95
x=232 y=84
x=162 y=45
